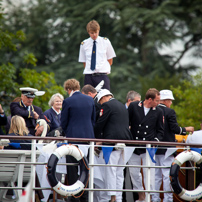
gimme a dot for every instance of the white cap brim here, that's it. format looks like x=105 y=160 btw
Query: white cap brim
x=39 y=93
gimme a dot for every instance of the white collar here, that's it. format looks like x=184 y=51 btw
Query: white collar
x=56 y=111
x=72 y=92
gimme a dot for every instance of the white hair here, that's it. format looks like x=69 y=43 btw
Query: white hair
x=51 y=101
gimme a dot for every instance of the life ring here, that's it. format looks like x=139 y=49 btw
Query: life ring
x=51 y=169
x=174 y=170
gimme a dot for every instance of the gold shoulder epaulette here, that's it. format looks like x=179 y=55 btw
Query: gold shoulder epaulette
x=105 y=38
x=82 y=42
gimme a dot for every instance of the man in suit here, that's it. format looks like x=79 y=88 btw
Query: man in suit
x=91 y=91
x=78 y=112
x=113 y=123
x=132 y=96
x=77 y=121
x=3 y=119
x=28 y=111
x=146 y=121
x=171 y=128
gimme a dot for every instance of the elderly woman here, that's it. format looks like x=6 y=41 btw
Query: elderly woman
x=54 y=113
x=18 y=128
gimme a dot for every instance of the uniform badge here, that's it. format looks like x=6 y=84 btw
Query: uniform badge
x=82 y=43
x=140 y=104
x=105 y=38
x=101 y=112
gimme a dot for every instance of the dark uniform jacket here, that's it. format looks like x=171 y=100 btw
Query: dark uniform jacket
x=147 y=127
x=113 y=122
x=170 y=127
x=78 y=116
x=97 y=107
x=18 y=108
x=3 y=122
x=54 y=118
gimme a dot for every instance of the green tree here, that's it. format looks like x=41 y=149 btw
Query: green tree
x=41 y=81
x=12 y=78
x=137 y=30
x=187 y=104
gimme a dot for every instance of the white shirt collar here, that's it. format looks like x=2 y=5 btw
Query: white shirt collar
x=56 y=111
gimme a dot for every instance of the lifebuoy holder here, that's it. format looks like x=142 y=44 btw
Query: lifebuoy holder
x=79 y=185
x=184 y=156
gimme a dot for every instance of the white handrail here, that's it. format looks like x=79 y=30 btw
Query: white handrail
x=91 y=165
x=148 y=174
x=33 y=167
x=91 y=180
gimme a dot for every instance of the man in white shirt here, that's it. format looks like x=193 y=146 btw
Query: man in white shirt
x=96 y=53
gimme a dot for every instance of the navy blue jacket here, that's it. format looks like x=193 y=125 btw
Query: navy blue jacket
x=147 y=127
x=17 y=108
x=25 y=146
x=78 y=116
x=3 y=122
x=54 y=118
x=171 y=127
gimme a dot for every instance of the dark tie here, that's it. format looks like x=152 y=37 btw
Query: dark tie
x=93 y=57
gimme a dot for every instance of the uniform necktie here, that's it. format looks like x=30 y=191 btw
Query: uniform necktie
x=93 y=57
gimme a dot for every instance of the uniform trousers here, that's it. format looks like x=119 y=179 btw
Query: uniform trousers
x=163 y=173
x=136 y=175
x=113 y=177
x=95 y=79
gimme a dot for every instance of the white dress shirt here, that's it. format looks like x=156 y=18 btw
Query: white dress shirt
x=104 y=52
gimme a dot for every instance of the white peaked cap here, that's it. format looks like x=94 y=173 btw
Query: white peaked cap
x=166 y=95
x=102 y=93
x=39 y=93
x=99 y=86
x=31 y=92
x=29 y=89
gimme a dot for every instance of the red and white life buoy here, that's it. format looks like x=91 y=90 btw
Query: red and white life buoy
x=79 y=185
x=174 y=170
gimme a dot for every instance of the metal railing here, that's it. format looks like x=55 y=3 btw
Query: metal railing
x=92 y=143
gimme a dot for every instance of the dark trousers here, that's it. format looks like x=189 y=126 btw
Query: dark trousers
x=135 y=194
x=95 y=79
x=72 y=177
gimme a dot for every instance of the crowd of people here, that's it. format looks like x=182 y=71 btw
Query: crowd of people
x=95 y=113
x=91 y=114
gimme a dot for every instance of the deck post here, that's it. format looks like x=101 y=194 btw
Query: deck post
x=91 y=172
x=33 y=168
x=148 y=174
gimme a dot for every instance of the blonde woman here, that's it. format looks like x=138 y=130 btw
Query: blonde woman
x=18 y=128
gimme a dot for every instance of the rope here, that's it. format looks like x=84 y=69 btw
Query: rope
x=83 y=189
x=88 y=176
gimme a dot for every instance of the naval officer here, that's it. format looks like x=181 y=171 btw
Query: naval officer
x=146 y=121
x=96 y=53
x=113 y=123
x=171 y=128
x=28 y=111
